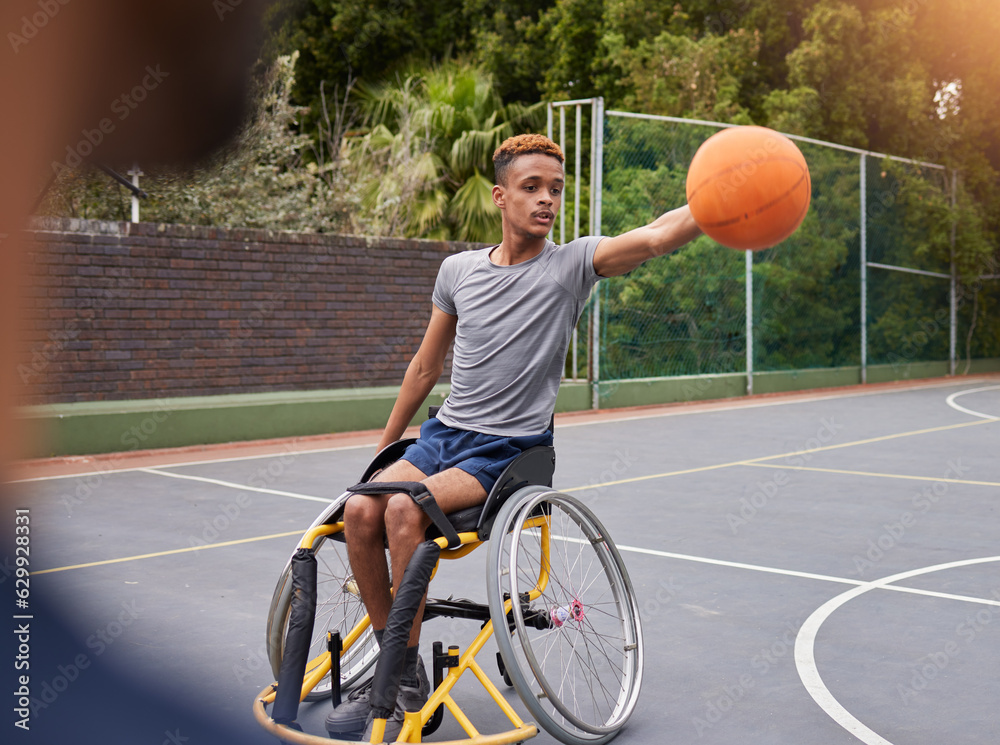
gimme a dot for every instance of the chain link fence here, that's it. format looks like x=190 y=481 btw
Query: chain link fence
x=866 y=280
x=683 y=315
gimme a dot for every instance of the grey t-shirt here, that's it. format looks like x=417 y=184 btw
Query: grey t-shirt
x=514 y=327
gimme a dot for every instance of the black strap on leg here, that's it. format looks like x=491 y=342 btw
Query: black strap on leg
x=421 y=495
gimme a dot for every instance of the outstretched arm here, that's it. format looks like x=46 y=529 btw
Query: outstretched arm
x=422 y=373
x=665 y=234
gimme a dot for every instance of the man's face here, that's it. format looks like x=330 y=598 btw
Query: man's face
x=532 y=195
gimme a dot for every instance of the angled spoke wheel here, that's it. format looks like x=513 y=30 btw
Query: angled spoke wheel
x=574 y=651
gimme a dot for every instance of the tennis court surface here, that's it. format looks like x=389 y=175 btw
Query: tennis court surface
x=812 y=569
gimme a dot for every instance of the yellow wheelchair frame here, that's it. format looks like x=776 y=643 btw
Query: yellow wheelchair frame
x=574 y=631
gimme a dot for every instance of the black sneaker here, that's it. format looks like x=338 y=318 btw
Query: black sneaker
x=348 y=721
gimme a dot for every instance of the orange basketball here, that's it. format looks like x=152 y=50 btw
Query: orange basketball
x=748 y=187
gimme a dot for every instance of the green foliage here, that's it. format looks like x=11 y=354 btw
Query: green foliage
x=680 y=316
x=367 y=40
x=645 y=170
x=423 y=169
x=434 y=86
x=432 y=140
x=507 y=38
x=684 y=315
x=268 y=178
x=844 y=51
x=806 y=301
x=676 y=75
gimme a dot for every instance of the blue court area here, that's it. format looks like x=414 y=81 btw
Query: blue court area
x=815 y=568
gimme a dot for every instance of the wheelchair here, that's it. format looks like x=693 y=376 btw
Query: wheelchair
x=560 y=605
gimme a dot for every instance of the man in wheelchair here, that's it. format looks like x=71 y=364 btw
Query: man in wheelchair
x=510 y=310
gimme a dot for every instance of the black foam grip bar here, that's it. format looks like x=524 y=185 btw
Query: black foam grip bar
x=388 y=487
x=389 y=668
x=420 y=494
x=297 y=637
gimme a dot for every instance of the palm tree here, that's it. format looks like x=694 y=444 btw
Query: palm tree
x=430 y=144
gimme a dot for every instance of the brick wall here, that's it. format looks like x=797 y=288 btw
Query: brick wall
x=132 y=311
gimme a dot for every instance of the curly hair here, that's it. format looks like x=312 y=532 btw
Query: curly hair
x=514 y=147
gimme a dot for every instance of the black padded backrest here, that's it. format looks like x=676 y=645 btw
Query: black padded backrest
x=534 y=466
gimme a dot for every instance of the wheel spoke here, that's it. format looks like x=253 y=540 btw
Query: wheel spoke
x=580 y=676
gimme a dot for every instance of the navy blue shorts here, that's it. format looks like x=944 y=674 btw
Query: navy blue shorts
x=441 y=447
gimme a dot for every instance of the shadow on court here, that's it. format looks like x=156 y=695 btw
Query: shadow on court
x=815 y=568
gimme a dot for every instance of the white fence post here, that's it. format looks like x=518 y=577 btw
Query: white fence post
x=596 y=185
x=864 y=268
x=953 y=311
x=135 y=173
x=749 y=320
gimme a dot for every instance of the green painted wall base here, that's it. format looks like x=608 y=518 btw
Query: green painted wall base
x=910 y=371
x=799 y=380
x=644 y=392
x=118 y=426
x=979 y=367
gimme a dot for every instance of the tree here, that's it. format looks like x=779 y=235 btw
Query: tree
x=268 y=178
x=434 y=135
x=678 y=75
x=873 y=92
x=509 y=39
x=366 y=40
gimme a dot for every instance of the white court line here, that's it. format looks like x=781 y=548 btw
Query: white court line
x=789 y=572
x=805 y=648
x=762 y=404
x=951 y=401
x=234 y=459
x=730 y=564
x=232 y=485
x=562 y=426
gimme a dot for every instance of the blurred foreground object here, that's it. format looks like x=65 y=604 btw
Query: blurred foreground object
x=107 y=81
x=104 y=81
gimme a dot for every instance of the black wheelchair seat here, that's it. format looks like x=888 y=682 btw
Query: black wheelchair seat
x=535 y=466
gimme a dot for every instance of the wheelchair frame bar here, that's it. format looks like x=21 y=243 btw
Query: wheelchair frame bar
x=413 y=723
x=318 y=667
x=320 y=530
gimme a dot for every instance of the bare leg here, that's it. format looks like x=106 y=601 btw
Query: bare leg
x=364 y=531
x=406 y=524
x=368 y=519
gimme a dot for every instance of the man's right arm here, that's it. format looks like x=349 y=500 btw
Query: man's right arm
x=623 y=253
x=422 y=374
